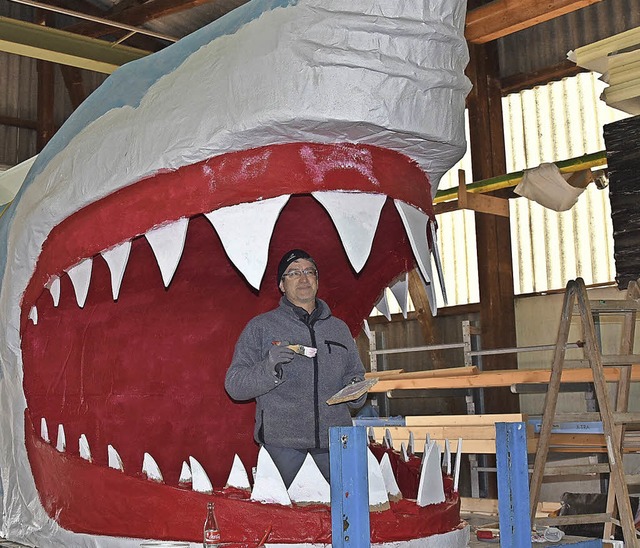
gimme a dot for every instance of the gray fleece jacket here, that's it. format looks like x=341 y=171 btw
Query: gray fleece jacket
x=292 y=411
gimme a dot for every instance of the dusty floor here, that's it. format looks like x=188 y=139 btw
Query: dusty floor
x=474 y=521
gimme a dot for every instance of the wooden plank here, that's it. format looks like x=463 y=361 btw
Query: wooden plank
x=383 y=374
x=463 y=420
x=18 y=122
x=482 y=203
x=489 y=379
x=137 y=15
x=607 y=360
x=440 y=432
x=489 y=507
x=558 y=443
x=568 y=520
x=432 y=373
x=430 y=327
x=469 y=446
x=503 y=17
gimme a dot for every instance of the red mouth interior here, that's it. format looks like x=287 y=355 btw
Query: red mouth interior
x=145 y=373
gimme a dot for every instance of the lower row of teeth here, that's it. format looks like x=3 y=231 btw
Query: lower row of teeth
x=309 y=485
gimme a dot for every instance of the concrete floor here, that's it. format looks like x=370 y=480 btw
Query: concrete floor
x=474 y=521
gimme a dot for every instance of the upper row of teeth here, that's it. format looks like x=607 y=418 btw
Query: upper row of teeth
x=354 y=214
x=309 y=485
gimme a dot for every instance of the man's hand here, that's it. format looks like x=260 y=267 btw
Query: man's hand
x=279 y=355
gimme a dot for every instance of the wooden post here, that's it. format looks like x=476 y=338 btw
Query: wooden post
x=46 y=96
x=493 y=233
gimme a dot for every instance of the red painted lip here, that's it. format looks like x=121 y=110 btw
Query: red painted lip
x=145 y=374
x=167 y=513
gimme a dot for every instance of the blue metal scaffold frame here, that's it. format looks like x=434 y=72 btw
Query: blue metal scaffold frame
x=350 y=526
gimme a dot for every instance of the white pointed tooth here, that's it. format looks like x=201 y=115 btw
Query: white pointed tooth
x=61 y=443
x=80 y=275
x=115 y=461
x=151 y=469
x=372 y=434
x=428 y=439
x=116 y=259
x=387 y=434
x=446 y=457
x=400 y=291
x=436 y=255
x=403 y=452
x=54 y=288
x=411 y=447
x=390 y=482
x=456 y=473
x=44 y=430
x=200 y=481
x=185 y=474
x=310 y=485
x=385 y=442
x=367 y=330
x=245 y=231
x=33 y=315
x=167 y=244
x=378 y=497
x=415 y=225
x=355 y=216
x=85 y=451
x=238 y=477
x=383 y=305
x=268 y=485
x=431 y=487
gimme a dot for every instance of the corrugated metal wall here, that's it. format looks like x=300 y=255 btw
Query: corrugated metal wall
x=549 y=123
x=547 y=44
x=17 y=75
x=457 y=241
x=19 y=83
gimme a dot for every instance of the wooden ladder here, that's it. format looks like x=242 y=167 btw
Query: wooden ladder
x=613 y=421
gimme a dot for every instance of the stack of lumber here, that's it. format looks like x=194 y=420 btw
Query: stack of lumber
x=470 y=377
x=617 y=58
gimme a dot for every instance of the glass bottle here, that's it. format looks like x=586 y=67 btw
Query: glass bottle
x=211 y=531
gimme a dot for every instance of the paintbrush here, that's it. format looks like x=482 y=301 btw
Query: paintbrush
x=307 y=351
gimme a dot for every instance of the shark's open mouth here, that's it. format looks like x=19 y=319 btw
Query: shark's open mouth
x=144 y=373
x=146 y=235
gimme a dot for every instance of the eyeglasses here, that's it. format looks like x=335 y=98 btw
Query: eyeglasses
x=309 y=272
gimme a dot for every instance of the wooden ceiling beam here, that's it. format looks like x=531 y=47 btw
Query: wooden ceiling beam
x=137 y=15
x=56 y=46
x=503 y=17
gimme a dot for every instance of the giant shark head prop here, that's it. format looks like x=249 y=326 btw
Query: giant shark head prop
x=147 y=234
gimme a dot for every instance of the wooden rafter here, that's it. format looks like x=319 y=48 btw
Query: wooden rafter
x=503 y=17
x=139 y=14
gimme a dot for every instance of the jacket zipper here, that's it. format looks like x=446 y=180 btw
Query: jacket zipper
x=316 y=410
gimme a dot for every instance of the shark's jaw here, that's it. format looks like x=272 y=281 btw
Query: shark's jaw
x=145 y=373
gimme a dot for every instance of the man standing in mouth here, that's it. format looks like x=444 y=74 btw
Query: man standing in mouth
x=289 y=382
